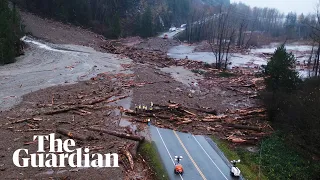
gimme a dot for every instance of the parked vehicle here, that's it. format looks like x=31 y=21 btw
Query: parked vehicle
x=235 y=171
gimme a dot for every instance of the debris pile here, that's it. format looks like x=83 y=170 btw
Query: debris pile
x=88 y=112
x=241 y=81
x=239 y=126
x=152 y=57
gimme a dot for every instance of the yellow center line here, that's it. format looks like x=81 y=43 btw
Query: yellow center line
x=194 y=163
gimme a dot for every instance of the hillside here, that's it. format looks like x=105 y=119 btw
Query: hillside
x=119 y=18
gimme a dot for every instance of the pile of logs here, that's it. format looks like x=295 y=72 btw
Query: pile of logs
x=158 y=57
x=175 y=116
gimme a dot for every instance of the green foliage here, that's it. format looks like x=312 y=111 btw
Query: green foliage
x=249 y=161
x=9 y=33
x=146 y=24
x=115 y=27
x=297 y=114
x=178 y=10
x=293 y=107
x=150 y=154
x=280 y=161
x=277 y=158
x=103 y=17
x=280 y=71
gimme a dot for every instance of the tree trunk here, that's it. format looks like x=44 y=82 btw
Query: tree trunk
x=118 y=134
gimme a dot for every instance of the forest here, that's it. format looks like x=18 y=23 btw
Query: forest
x=10 y=33
x=119 y=18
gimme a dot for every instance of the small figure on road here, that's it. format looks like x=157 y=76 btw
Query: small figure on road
x=178 y=158
x=178 y=169
x=149 y=122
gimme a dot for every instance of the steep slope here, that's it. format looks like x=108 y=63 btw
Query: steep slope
x=119 y=18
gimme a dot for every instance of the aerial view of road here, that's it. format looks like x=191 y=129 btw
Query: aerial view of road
x=160 y=90
x=200 y=159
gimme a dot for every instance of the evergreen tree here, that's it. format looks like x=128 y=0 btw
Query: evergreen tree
x=9 y=33
x=146 y=23
x=116 y=26
x=280 y=71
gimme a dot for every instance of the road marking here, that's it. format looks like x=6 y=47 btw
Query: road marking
x=194 y=163
x=167 y=149
x=209 y=157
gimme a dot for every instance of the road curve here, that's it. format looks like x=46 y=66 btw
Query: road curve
x=200 y=160
x=171 y=35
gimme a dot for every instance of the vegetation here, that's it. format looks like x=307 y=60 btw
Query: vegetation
x=293 y=108
x=249 y=164
x=276 y=159
x=150 y=154
x=280 y=72
x=292 y=104
x=146 y=24
x=115 y=18
x=10 y=33
x=279 y=160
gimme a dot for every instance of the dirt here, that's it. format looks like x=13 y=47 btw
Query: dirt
x=197 y=86
x=157 y=44
x=225 y=97
x=154 y=78
x=44 y=54
x=46 y=64
x=37 y=104
x=58 y=32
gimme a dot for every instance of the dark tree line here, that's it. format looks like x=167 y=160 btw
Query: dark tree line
x=249 y=21
x=10 y=33
x=103 y=16
x=114 y=18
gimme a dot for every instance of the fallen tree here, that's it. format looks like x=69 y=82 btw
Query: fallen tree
x=118 y=134
x=72 y=135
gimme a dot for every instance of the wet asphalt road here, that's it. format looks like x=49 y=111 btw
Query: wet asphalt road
x=200 y=160
x=171 y=35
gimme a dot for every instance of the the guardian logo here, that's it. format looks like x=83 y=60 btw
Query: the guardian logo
x=60 y=155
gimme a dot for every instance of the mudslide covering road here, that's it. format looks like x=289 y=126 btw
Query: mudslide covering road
x=200 y=160
x=45 y=64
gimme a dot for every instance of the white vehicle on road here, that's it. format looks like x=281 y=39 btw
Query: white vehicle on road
x=173 y=29
x=235 y=171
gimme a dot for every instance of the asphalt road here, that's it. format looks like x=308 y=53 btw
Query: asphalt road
x=200 y=160
x=172 y=34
